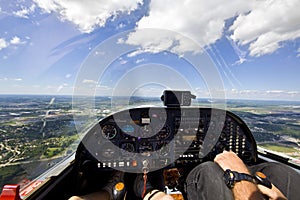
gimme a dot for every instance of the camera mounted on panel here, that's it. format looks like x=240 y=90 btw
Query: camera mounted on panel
x=173 y=98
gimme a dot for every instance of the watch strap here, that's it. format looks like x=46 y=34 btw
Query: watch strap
x=231 y=177
x=243 y=177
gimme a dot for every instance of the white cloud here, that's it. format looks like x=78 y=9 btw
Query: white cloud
x=262 y=25
x=24 y=12
x=15 y=40
x=274 y=91
x=87 y=14
x=88 y=81
x=139 y=60
x=267 y=25
x=122 y=61
x=3 y=43
x=103 y=90
x=153 y=40
x=17 y=79
x=202 y=21
x=134 y=53
x=263 y=94
x=10 y=79
x=103 y=87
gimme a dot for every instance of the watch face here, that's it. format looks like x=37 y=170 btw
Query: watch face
x=229 y=178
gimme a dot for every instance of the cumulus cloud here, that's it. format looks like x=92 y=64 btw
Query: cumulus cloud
x=267 y=25
x=154 y=41
x=24 y=12
x=15 y=40
x=261 y=25
x=3 y=43
x=200 y=20
x=88 y=14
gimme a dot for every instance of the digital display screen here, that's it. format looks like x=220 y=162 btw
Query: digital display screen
x=188 y=137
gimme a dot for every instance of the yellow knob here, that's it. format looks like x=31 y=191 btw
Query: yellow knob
x=119 y=186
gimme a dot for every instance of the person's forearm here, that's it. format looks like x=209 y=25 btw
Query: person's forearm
x=242 y=190
x=246 y=190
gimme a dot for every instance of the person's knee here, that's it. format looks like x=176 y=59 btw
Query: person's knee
x=275 y=169
x=208 y=167
x=205 y=170
x=75 y=198
x=206 y=182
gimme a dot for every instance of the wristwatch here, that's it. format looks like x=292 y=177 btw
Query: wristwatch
x=231 y=177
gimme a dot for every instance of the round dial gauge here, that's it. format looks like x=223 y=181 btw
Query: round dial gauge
x=109 y=131
x=127 y=148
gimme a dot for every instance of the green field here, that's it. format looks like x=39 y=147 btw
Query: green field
x=279 y=148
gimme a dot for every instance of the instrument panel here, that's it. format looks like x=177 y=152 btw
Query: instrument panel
x=152 y=138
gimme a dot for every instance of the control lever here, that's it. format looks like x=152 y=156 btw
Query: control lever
x=145 y=171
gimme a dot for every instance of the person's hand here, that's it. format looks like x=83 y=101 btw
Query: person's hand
x=242 y=190
x=229 y=160
x=273 y=193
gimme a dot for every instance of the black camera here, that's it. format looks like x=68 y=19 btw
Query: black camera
x=173 y=98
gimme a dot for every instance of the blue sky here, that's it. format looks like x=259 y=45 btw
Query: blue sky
x=254 y=45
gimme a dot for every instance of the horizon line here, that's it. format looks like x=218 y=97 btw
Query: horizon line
x=158 y=97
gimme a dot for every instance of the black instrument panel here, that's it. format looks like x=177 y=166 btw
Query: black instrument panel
x=158 y=137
